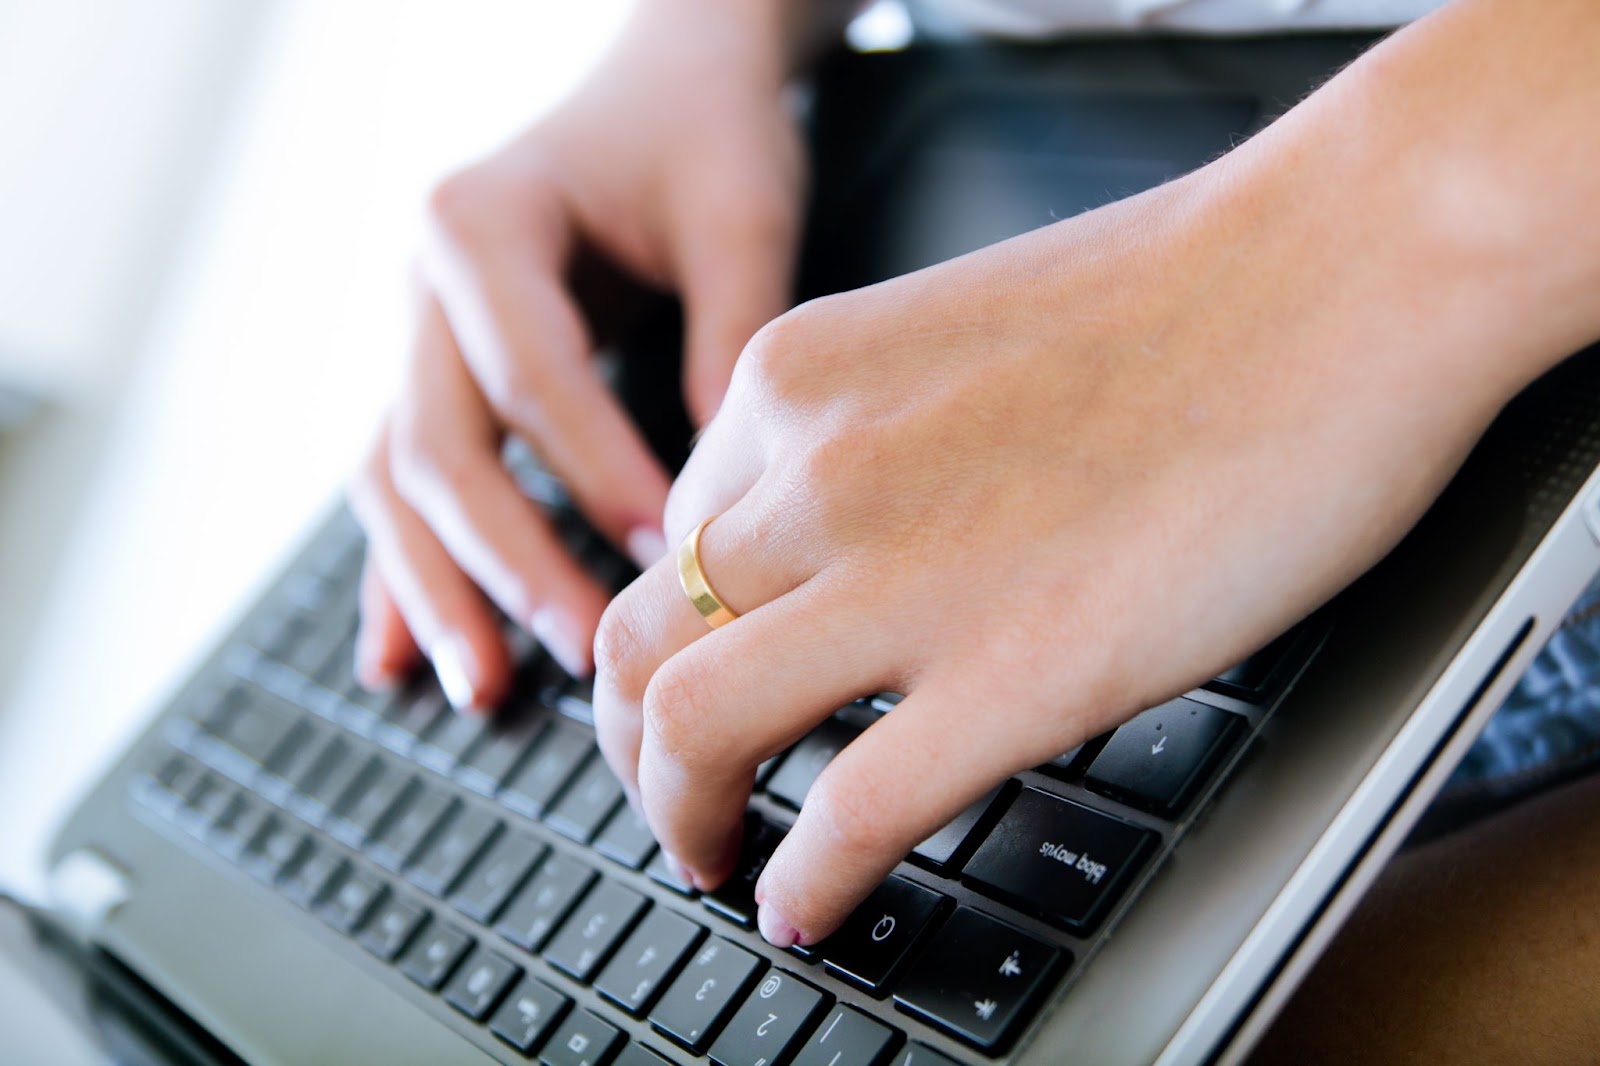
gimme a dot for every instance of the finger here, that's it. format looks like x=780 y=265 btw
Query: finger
x=652 y=620
x=442 y=608
x=887 y=791
x=385 y=650
x=529 y=350
x=738 y=696
x=446 y=452
x=736 y=271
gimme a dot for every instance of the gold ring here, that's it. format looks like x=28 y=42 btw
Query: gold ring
x=695 y=583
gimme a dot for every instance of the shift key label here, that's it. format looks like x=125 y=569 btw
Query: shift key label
x=1061 y=860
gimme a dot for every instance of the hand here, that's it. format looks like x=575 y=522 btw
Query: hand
x=1036 y=489
x=677 y=163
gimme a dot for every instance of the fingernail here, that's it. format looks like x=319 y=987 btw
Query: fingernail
x=368 y=663
x=456 y=666
x=560 y=638
x=647 y=546
x=778 y=933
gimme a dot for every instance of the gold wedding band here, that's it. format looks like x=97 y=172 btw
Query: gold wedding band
x=695 y=583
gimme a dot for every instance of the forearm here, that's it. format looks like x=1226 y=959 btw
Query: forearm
x=1443 y=193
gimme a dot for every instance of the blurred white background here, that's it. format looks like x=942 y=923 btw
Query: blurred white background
x=206 y=212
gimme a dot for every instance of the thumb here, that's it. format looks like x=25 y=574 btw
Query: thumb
x=736 y=274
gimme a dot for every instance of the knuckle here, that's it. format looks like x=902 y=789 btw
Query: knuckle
x=675 y=705
x=414 y=464
x=849 y=814
x=620 y=646
x=775 y=356
x=460 y=206
x=686 y=506
x=512 y=387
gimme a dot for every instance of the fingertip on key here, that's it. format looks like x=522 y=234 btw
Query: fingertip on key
x=774 y=929
x=559 y=635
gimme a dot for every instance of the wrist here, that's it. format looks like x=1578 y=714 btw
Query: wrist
x=1406 y=197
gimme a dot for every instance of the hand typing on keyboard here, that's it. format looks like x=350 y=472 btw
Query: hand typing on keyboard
x=1035 y=489
x=678 y=165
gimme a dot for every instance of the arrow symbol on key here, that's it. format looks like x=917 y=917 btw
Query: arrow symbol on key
x=1158 y=746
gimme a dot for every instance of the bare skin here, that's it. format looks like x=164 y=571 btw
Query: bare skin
x=1075 y=473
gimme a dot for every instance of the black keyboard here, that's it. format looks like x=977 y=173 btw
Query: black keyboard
x=497 y=867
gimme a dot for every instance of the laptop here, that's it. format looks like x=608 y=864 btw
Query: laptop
x=291 y=869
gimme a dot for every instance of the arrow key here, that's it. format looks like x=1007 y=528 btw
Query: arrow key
x=1159 y=760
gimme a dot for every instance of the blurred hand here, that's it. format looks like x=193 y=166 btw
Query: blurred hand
x=1036 y=489
x=677 y=163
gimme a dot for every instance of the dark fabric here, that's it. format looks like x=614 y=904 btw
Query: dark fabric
x=1546 y=733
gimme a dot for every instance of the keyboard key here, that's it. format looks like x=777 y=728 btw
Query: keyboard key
x=700 y=1000
x=659 y=872
x=638 y=1055
x=411 y=818
x=480 y=982
x=443 y=745
x=870 y=945
x=254 y=736
x=333 y=775
x=1068 y=766
x=511 y=734
x=948 y=847
x=209 y=801
x=626 y=838
x=351 y=898
x=363 y=711
x=922 y=1055
x=164 y=787
x=455 y=843
x=1159 y=760
x=1251 y=678
x=366 y=805
x=650 y=955
x=587 y=802
x=275 y=850
x=807 y=759
x=499 y=873
x=276 y=631
x=528 y=1013
x=535 y=911
x=598 y=923
x=307 y=881
x=391 y=926
x=978 y=977
x=735 y=899
x=300 y=754
x=433 y=954
x=771 y=1023
x=1061 y=860
x=235 y=836
x=847 y=1037
x=580 y=1040
x=553 y=761
x=408 y=720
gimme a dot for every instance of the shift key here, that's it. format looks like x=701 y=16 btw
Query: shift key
x=1061 y=860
